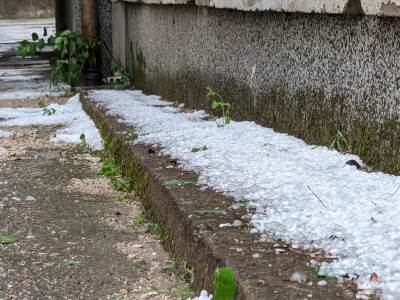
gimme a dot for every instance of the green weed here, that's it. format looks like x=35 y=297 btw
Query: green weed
x=46 y=111
x=340 y=143
x=217 y=102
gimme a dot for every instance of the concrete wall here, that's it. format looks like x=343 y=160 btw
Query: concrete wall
x=368 y=7
x=305 y=74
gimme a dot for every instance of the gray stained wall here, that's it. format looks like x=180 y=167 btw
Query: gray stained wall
x=305 y=74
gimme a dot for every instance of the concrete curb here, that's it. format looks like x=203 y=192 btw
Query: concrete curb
x=191 y=229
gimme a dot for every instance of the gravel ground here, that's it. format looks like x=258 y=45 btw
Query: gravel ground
x=74 y=240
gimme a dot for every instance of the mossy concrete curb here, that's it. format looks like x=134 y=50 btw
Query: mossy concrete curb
x=190 y=218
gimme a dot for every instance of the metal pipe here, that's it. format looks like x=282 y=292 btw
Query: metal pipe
x=89 y=19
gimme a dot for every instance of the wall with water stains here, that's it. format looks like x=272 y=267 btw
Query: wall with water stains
x=304 y=74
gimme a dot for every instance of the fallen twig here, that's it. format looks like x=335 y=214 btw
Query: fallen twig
x=316 y=196
x=392 y=194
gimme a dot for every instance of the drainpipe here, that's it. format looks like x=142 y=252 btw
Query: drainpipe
x=92 y=74
x=61 y=24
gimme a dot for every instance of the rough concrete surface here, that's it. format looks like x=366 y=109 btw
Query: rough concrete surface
x=75 y=240
x=351 y=7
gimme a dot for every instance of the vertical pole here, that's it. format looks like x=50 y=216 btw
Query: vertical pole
x=89 y=19
x=61 y=24
x=92 y=75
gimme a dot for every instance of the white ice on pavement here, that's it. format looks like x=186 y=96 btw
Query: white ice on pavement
x=14 y=31
x=282 y=178
x=69 y=114
x=34 y=93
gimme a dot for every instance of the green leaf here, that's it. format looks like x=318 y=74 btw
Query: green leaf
x=32 y=49
x=177 y=182
x=215 y=104
x=228 y=120
x=51 y=264
x=41 y=44
x=8 y=239
x=35 y=36
x=225 y=284
x=316 y=273
x=51 y=40
x=71 y=262
x=198 y=149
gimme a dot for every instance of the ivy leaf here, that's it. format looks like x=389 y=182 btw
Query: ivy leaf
x=225 y=284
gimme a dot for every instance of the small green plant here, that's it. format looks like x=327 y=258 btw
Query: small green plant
x=32 y=48
x=198 y=149
x=82 y=137
x=340 y=143
x=218 y=102
x=153 y=228
x=170 y=265
x=41 y=103
x=317 y=273
x=110 y=170
x=72 y=53
x=83 y=146
x=141 y=220
x=188 y=272
x=225 y=284
x=46 y=111
x=120 y=75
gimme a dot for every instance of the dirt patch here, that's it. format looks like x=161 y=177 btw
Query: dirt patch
x=97 y=186
x=75 y=241
x=24 y=139
x=32 y=103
